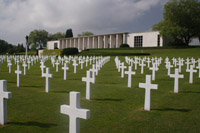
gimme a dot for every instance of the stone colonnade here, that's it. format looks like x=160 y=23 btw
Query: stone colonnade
x=94 y=42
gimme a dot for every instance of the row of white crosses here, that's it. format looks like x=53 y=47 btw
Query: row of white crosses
x=91 y=78
x=154 y=68
x=190 y=65
x=148 y=85
x=24 y=60
x=74 y=110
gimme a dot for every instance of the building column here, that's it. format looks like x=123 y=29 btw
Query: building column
x=100 y=42
x=117 y=41
x=79 y=44
x=112 y=41
x=83 y=44
x=75 y=43
x=105 y=42
x=65 y=44
x=95 y=42
x=124 y=38
x=88 y=42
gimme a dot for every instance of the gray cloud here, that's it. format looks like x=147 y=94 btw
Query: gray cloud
x=19 y=17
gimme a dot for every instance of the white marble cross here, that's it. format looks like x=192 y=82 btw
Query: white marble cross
x=176 y=77
x=180 y=64
x=174 y=61
x=122 y=69
x=96 y=67
x=154 y=69
x=53 y=62
x=57 y=64
x=75 y=65
x=142 y=66
x=118 y=63
x=81 y=62
x=148 y=62
x=148 y=86
x=198 y=67
x=47 y=75
x=191 y=71
x=169 y=66
x=3 y=102
x=130 y=73
x=86 y=60
x=136 y=62
x=42 y=66
x=187 y=63
x=18 y=72
x=29 y=62
x=88 y=79
x=24 y=65
x=75 y=112
x=94 y=71
x=10 y=67
x=65 y=68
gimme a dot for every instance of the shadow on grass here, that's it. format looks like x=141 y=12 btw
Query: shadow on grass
x=60 y=91
x=108 y=99
x=171 y=109
x=189 y=92
x=33 y=86
x=105 y=83
x=33 y=123
x=11 y=82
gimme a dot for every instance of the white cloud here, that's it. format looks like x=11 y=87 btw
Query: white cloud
x=19 y=17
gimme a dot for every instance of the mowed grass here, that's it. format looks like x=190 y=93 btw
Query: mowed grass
x=114 y=107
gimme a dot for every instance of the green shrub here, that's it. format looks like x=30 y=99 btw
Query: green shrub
x=56 y=52
x=124 y=46
x=70 y=51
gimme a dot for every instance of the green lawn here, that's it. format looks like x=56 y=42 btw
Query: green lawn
x=114 y=107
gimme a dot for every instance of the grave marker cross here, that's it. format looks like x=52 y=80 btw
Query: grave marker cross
x=65 y=68
x=88 y=80
x=3 y=103
x=176 y=77
x=75 y=65
x=154 y=69
x=148 y=86
x=75 y=112
x=130 y=73
x=191 y=71
x=47 y=75
x=198 y=67
x=122 y=69
x=57 y=64
x=18 y=72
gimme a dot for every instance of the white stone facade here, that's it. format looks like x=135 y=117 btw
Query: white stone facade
x=114 y=40
x=53 y=44
x=145 y=39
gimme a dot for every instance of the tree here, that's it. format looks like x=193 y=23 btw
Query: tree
x=87 y=33
x=181 y=21
x=69 y=33
x=5 y=47
x=56 y=36
x=39 y=38
x=33 y=47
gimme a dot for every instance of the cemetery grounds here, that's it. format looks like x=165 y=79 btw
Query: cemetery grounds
x=114 y=107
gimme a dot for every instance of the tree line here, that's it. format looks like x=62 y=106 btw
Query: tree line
x=37 y=39
x=6 y=48
x=181 y=21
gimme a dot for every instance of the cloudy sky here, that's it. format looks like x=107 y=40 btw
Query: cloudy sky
x=19 y=17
